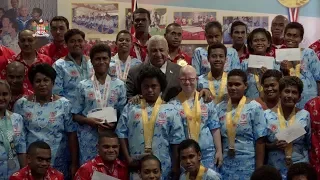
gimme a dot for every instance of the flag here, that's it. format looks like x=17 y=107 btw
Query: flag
x=134 y=6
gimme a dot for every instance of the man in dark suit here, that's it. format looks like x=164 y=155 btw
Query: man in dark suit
x=13 y=12
x=157 y=56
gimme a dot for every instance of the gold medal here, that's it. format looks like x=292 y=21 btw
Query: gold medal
x=293 y=3
x=231 y=152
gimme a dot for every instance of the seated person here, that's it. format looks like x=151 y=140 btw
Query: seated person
x=150 y=167
x=301 y=171
x=107 y=161
x=266 y=173
x=39 y=158
x=190 y=157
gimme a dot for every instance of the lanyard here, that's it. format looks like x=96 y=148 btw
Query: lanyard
x=101 y=99
x=83 y=69
x=122 y=75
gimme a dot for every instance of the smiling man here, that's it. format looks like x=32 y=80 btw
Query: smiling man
x=238 y=34
x=107 y=161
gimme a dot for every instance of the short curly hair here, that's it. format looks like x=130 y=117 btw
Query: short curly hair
x=291 y=81
x=72 y=32
x=271 y=73
x=302 y=168
x=44 y=69
x=240 y=73
x=149 y=71
x=99 y=48
x=255 y=31
x=266 y=173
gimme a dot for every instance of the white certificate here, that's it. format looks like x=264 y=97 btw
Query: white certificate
x=289 y=54
x=100 y=176
x=108 y=114
x=255 y=61
x=291 y=133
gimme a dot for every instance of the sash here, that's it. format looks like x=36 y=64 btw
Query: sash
x=199 y=175
x=148 y=124
x=223 y=84
x=232 y=122
x=295 y=71
x=101 y=99
x=122 y=75
x=256 y=78
x=282 y=121
x=193 y=115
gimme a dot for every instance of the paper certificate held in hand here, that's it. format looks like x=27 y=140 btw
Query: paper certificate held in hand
x=291 y=133
x=108 y=114
x=100 y=176
x=255 y=61
x=290 y=54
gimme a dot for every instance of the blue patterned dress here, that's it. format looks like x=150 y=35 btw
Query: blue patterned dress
x=209 y=121
x=68 y=77
x=251 y=126
x=202 y=65
x=18 y=138
x=252 y=90
x=113 y=69
x=168 y=130
x=85 y=102
x=209 y=175
x=203 y=83
x=310 y=74
x=300 y=146
x=50 y=123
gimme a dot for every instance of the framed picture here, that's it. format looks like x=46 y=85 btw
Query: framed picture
x=193 y=23
x=158 y=20
x=93 y=18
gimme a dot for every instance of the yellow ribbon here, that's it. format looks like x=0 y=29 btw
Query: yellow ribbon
x=148 y=124
x=193 y=116
x=295 y=71
x=256 y=78
x=232 y=122
x=292 y=117
x=199 y=175
x=223 y=84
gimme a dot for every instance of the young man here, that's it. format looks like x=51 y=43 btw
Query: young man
x=107 y=161
x=173 y=36
x=277 y=30
x=238 y=34
x=39 y=157
x=190 y=156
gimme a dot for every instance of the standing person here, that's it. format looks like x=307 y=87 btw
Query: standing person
x=216 y=79
x=307 y=69
x=39 y=156
x=271 y=93
x=190 y=156
x=243 y=128
x=12 y=136
x=72 y=68
x=14 y=11
x=238 y=33
x=122 y=62
x=173 y=36
x=277 y=29
x=150 y=168
x=94 y=94
x=47 y=117
x=312 y=107
x=161 y=125
x=281 y=154
x=29 y=55
x=6 y=56
x=199 y=119
x=213 y=32
x=59 y=25
x=23 y=18
x=106 y=161
x=259 y=43
x=141 y=23
x=15 y=76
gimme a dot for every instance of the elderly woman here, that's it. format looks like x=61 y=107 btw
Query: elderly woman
x=93 y=95
x=12 y=136
x=47 y=117
x=72 y=68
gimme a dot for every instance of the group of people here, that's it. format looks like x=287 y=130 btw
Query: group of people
x=206 y=117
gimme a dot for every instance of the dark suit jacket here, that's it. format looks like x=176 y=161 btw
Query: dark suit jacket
x=172 y=74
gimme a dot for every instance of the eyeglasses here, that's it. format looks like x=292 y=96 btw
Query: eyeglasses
x=184 y=80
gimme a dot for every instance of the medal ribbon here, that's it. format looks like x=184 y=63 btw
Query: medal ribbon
x=295 y=71
x=6 y=130
x=83 y=69
x=223 y=84
x=256 y=78
x=193 y=115
x=232 y=122
x=101 y=99
x=148 y=124
x=292 y=117
x=199 y=175
x=122 y=75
